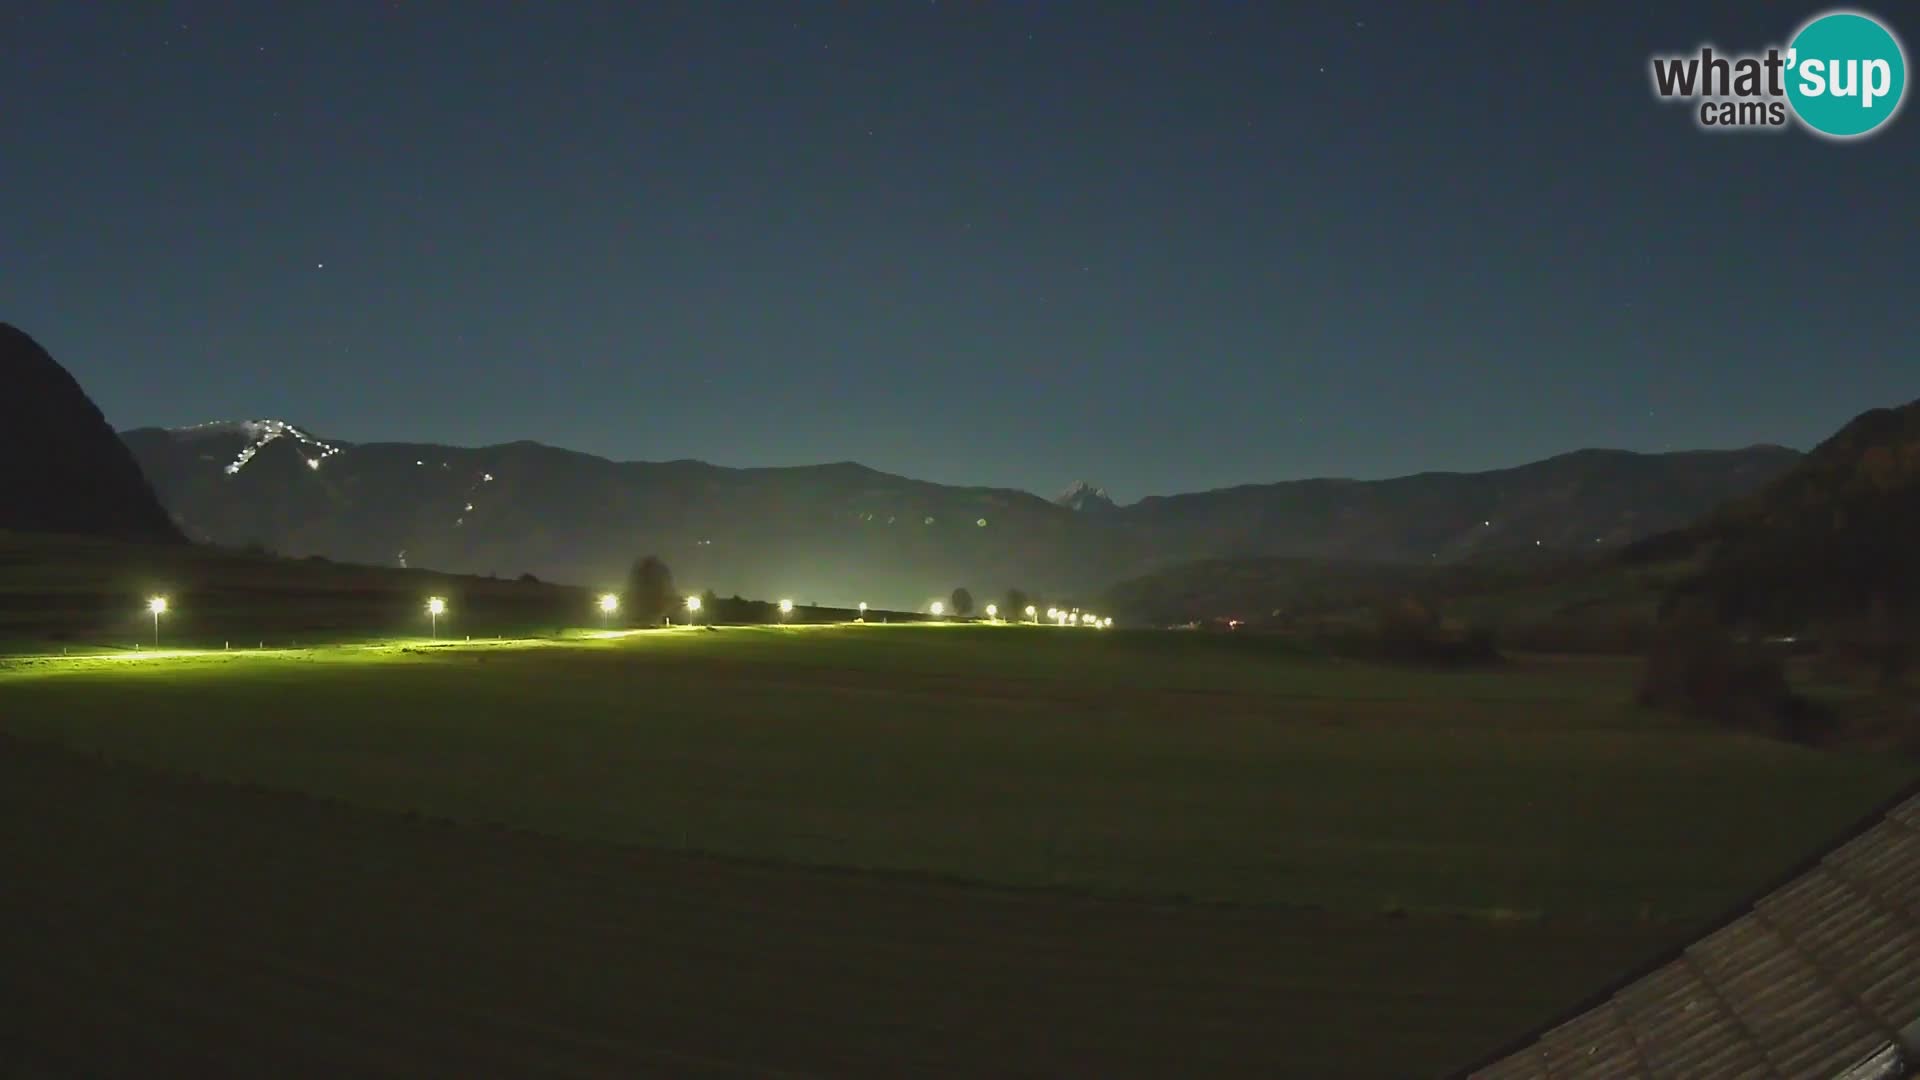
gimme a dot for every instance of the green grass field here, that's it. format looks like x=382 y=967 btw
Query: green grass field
x=1152 y=764
x=157 y=925
x=1451 y=855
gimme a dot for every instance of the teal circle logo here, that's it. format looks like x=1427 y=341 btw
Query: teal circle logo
x=1846 y=74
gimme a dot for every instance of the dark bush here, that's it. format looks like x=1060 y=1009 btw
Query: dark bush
x=1410 y=630
x=1696 y=666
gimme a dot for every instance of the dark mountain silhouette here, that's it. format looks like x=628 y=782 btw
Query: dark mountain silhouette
x=66 y=471
x=1835 y=538
x=844 y=532
x=1582 y=501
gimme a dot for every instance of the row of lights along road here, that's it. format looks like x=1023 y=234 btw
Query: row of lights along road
x=610 y=603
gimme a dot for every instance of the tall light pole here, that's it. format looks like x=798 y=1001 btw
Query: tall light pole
x=786 y=609
x=158 y=606
x=863 y=611
x=436 y=607
x=1032 y=613
x=993 y=612
x=609 y=603
x=693 y=610
x=938 y=609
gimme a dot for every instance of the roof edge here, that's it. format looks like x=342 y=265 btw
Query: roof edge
x=1667 y=956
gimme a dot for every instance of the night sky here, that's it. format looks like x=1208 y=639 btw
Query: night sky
x=1012 y=243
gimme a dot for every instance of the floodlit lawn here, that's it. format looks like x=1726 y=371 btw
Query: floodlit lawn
x=1114 y=762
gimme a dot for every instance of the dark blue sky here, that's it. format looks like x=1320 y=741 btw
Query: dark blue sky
x=1004 y=243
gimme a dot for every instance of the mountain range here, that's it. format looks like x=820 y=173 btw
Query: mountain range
x=835 y=533
x=1772 y=537
x=844 y=532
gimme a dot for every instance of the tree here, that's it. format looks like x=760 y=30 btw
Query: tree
x=650 y=593
x=962 y=602
x=1695 y=665
x=1014 y=607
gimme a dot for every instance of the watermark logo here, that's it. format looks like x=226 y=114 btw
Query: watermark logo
x=1843 y=75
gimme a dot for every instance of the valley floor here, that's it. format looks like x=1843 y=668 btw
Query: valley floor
x=159 y=924
x=1083 y=851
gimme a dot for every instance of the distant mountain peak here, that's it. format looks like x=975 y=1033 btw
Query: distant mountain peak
x=255 y=434
x=1084 y=495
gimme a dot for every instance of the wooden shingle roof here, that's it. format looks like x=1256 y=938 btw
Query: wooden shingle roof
x=1819 y=977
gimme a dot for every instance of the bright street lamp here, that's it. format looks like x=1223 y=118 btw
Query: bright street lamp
x=786 y=608
x=1031 y=613
x=609 y=603
x=158 y=606
x=436 y=607
x=993 y=610
x=693 y=610
x=863 y=611
x=938 y=609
